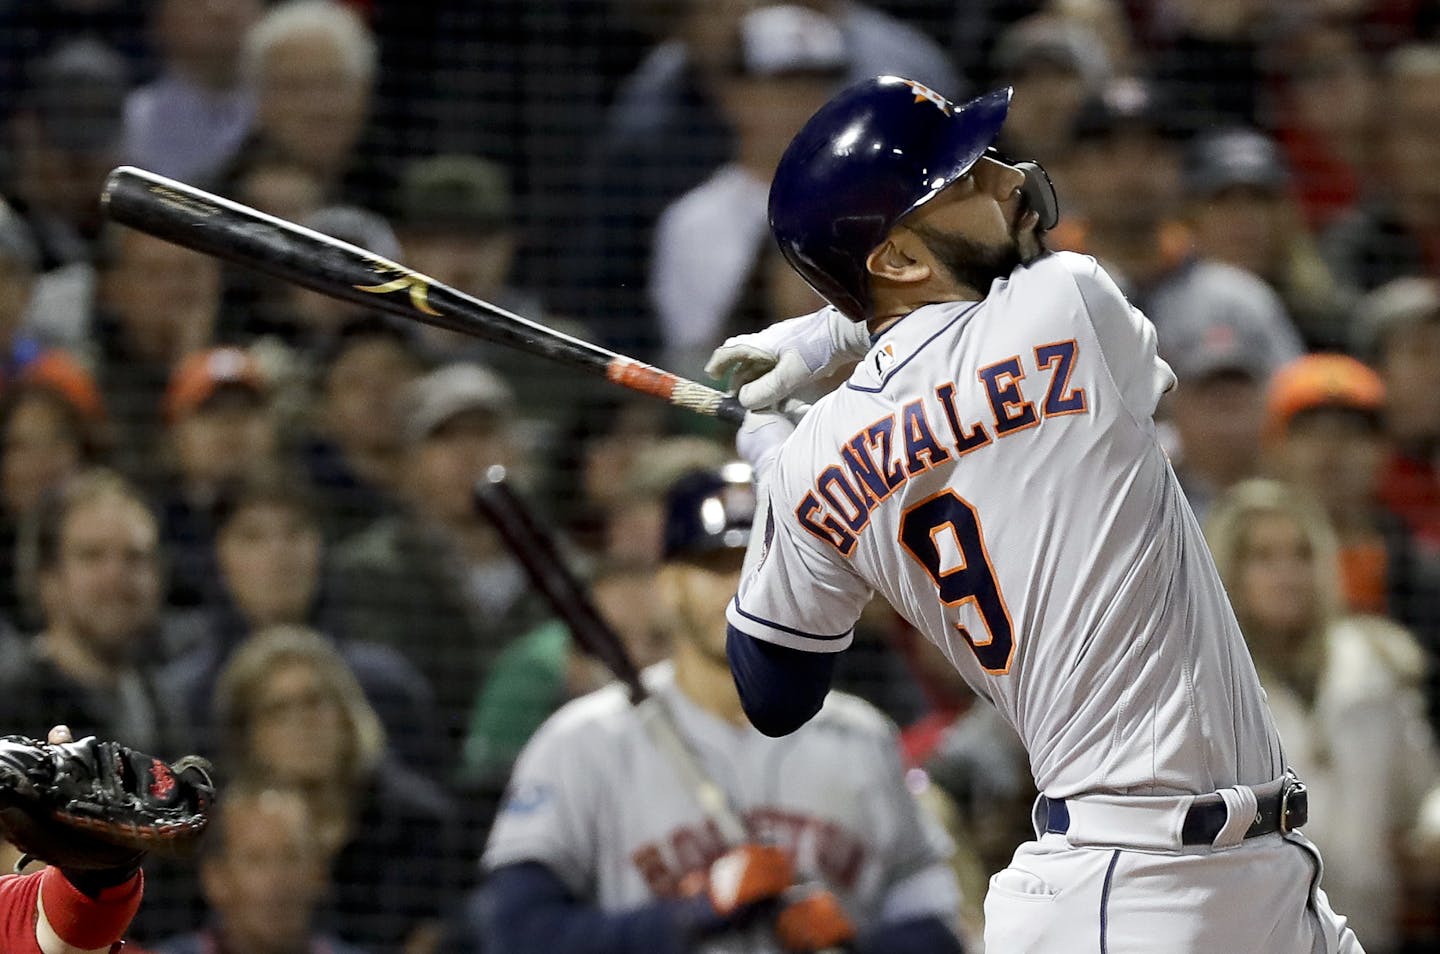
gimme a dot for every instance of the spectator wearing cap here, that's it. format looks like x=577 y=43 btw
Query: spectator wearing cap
x=1397 y=329
x=269 y=556
x=666 y=132
x=155 y=305
x=455 y=218
x=353 y=451
x=1217 y=410
x=1125 y=181
x=1324 y=434
x=219 y=425
x=1241 y=213
x=434 y=580
x=1127 y=178
x=714 y=270
x=52 y=427
x=1053 y=63
x=189 y=122
x=67 y=138
x=1395 y=232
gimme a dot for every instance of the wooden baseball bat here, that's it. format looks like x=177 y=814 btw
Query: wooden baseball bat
x=534 y=549
x=197 y=219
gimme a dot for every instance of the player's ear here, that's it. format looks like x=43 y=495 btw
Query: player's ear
x=898 y=259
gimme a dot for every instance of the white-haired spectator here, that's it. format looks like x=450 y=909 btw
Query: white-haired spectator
x=191 y=120
x=312 y=63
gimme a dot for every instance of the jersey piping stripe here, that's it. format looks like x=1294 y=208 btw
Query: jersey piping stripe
x=785 y=629
x=1105 y=904
x=923 y=345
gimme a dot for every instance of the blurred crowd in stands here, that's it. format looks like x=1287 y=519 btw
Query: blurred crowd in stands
x=236 y=517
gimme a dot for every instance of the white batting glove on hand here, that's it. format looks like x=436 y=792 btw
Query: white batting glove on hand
x=772 y=364
x=761 y=436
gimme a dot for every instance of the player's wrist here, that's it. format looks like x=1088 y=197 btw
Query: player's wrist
x=85 y=922
x=100 y=883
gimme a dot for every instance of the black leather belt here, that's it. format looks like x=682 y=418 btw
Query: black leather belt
x=1281 y=811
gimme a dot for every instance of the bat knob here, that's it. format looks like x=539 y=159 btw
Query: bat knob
x=495 y=474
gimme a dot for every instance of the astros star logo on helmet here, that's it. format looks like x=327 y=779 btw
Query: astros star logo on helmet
x=923 y=92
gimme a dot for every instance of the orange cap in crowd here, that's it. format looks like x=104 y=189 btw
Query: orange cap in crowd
x=58 y=372
x=1321 y=380
x=202 y=374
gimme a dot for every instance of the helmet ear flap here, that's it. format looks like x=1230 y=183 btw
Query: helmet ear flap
x=1040 y=194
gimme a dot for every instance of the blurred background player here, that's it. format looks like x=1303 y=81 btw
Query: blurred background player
x=572 y=869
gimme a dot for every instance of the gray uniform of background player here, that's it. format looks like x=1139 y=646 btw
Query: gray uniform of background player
x=595 y=801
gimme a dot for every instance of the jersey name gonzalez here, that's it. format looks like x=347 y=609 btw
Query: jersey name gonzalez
x=877 y=460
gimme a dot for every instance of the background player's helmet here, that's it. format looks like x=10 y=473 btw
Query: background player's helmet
x=874 y=153
x=707 y=511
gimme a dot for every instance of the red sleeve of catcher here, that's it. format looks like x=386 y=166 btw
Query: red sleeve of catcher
x=85 y=922
x=17 y=913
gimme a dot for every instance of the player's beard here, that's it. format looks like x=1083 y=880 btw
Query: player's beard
x=972 y=264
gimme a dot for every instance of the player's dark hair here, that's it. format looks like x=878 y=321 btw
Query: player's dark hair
x=266 y=486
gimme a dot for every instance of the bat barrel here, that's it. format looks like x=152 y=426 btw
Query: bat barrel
x=228 y=230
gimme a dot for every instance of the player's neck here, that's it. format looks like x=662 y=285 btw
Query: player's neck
x=707 y=682
x=891 y=303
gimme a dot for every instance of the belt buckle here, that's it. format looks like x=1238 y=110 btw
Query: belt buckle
x=1294 y=805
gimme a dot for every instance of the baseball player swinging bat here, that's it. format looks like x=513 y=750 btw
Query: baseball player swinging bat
x=534 y=548
x=197 y=219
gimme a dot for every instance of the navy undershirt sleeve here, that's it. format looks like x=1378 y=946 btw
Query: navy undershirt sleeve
x=780 y=688
x=916 y=936
x=526 y=909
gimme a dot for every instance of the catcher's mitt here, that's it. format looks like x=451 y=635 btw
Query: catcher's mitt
x=91 y=804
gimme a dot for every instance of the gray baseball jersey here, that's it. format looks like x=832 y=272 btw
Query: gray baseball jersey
x=596 y=801
x=992 y=469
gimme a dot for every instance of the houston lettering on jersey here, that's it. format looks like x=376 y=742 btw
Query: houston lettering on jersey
x=814 y=845
x=884 y=455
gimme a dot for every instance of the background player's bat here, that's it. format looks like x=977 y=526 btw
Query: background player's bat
x=534 y=548
x=208 y=223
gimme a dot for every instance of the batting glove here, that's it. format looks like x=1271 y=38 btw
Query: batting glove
x=770 y=365
x=813 y=923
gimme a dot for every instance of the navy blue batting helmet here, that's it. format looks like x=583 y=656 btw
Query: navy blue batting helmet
x=709 y=510
x=877 y=151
